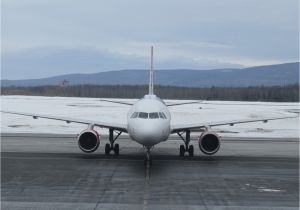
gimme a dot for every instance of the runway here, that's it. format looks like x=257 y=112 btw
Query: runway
x=45 y=171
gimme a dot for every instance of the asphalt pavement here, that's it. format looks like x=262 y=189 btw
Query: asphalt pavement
x=46 y=171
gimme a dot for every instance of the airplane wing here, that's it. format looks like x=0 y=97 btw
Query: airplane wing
x=243 y=104
x=116 y=126
x=183 y=103
x=117 y=102
x=167 y=104
x=184 y=127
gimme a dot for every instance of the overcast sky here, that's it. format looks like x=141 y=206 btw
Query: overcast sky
x=42 y=38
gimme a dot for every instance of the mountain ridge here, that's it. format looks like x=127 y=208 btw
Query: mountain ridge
x=268 y=75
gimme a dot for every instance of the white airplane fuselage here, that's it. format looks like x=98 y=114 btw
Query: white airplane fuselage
x=148 y=121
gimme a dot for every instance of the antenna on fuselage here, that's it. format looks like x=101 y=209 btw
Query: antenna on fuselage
x=151 y=74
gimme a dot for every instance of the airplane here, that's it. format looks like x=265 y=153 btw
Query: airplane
x=149 y=123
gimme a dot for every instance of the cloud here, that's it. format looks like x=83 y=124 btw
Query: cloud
x=75 y=36
x=44 y=62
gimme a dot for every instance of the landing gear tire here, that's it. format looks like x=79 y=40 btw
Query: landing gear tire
x=107 y=149
x=191 y=151
x=112 y=145
x=116 y=149
x=181 y=150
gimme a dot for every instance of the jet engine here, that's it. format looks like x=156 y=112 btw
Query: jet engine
x=209 y=142
x=88 y=140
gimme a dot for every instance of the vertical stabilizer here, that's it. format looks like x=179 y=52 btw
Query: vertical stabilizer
x=151 y=74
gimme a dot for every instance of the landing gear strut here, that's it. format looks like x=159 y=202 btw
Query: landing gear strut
x=186 y=147
x=112 y=146
x=148 y=160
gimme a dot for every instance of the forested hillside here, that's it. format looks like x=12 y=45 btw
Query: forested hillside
x=289 y=93
x=280 y=74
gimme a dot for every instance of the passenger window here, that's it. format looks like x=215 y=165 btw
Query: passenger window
x=143 y=115
x=134 y=115
x=153 y=115
x=162 y=115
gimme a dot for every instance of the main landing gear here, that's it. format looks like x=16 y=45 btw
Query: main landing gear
x=112 y=146
x=186 y=147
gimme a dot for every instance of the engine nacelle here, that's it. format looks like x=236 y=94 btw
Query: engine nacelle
x=209 y=142
x=88 y=140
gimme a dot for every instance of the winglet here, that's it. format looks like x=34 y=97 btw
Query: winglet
x=151 y=92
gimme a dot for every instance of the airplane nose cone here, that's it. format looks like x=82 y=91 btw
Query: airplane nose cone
x=149 y=134
x=149 y=140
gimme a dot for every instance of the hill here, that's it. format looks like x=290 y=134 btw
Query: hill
x=281 y=74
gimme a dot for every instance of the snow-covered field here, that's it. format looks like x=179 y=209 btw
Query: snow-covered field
x=92 y=108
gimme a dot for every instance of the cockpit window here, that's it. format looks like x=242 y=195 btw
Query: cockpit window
x=143 y=115
x=135 y=115
x=162 y=115
x=153 y=115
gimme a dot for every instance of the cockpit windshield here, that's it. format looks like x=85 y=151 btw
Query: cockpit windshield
x=135 y=115
x=162 y=115
x=143 y=115
x=151 y=115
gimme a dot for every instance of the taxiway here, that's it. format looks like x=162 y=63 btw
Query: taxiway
x=45 y=171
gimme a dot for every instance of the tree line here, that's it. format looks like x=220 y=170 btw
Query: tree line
x=287 y=93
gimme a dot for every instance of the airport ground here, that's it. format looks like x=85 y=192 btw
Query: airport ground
x=45 y=171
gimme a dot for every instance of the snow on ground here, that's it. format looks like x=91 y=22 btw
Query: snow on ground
x=93 y=109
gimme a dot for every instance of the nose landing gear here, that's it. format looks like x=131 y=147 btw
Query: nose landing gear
x=148 y=161
x=186 y=147
x=112 y=146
